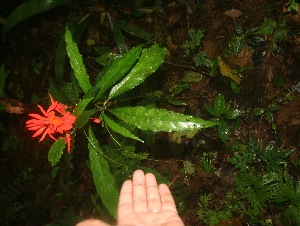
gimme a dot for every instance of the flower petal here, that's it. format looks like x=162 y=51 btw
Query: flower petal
x=42 y=110
x=37 y=116
x=53 y=104
x=34 y=127
x=44 y=134
x=95 y=120
x=39 y=131
x=36 y=122
x=61 y=108
x=68 y=141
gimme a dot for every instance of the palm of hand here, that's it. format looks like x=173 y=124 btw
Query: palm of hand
x=144 y=203
x=163 y=218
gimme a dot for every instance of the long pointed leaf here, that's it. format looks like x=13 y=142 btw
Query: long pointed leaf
x=149 y=62
x=81 y=106
x=119 y=129
x=159 y=119
x=76 y=62
x=103 y=179
x=118 y=69
x=28 y=9
x=119 y=39
x=134 y=30
x=76 y=28
x=84 y=117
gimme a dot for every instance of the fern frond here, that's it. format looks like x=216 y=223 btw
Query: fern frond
x=202 y=60
x=205 y=200
x=253 y=189
x=266 y=27
x=292 y=215
x=194 y=41
x=280 y=34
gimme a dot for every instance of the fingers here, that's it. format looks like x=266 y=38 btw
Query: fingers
x=167 y=201
x=153 y=196
x=139 y=192
x=125 y=205
x=92 y=223
x=144 y=195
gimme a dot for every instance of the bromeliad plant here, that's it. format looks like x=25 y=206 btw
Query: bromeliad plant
x=121 y=75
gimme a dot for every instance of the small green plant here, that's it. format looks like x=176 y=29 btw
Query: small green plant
x=274 y=31
x=195 y=40
x=241 y=39
x=293 y=5
x=206 y=164
x=261 y=176
x=267 y=113
x=263 y=186
x=222 y=112
x=192 y=45
x=278 y=31
x=212 y=216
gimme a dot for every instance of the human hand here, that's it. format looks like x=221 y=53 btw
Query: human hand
x=143 y=203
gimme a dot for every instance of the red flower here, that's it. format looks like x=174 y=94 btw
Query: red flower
x=55 y=120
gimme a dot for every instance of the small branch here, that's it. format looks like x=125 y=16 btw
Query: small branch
x=188 y=67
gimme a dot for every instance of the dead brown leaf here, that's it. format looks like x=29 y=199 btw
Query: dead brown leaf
x=233 y=13
x=243 y=59
x=13 y=106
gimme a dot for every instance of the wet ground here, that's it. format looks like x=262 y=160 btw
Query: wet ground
x=29 y=52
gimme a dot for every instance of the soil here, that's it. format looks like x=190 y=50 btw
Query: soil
x=28 y=53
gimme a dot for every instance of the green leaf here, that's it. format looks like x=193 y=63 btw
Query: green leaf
x=149 y=62
x=175 y=101
x=71 y=90
x=236 y=44
x=28 y=9
x=103 y=179
x=118 y=69
x=119 y=129
x=257 y=111
x=106 y=58
x=134 y=30
x=219 y=105
x=278 y=81
x=224 y=131
x=266 y=27
x=210 y=110
x=84 y=117
x=235 y=87
x=238 y=28
x=119 y=39
x=76 y=27
x=233 y=113
x=81 y=106
x=56 y=151
x=179 y=88
x=76 y=62
x=159 y=120
x=2 y=80
x=293 y=6
x=191 y=76
x=189 y=167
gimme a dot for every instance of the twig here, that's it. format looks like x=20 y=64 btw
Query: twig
x=187 y=66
